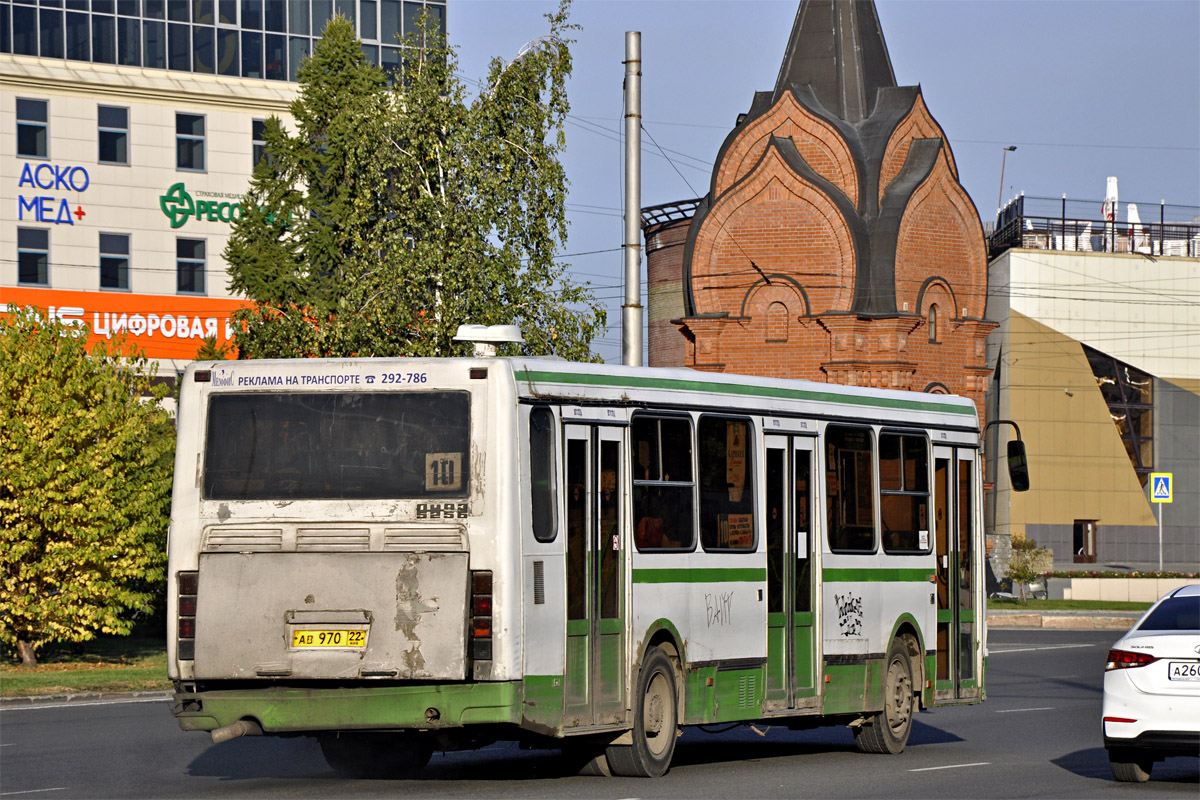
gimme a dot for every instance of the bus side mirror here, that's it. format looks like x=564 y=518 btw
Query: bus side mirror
x=1018 y=466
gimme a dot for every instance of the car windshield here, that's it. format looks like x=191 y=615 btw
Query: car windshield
x=1174 y=614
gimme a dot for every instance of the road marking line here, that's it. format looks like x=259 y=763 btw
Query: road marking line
x=34 y=791
x=83 y=703
x=1015 y=710
x=992 y=650
x=952 y=766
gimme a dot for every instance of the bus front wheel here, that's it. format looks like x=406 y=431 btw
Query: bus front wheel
x=887 y=731
x=655 y=722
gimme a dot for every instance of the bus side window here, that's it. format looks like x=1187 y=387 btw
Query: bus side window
x=542 y=488
x=726 y=485
x=904 y=493
x=850 y=489
x=663 y=486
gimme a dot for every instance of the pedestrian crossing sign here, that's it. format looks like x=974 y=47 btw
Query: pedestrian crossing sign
x=1160 y=487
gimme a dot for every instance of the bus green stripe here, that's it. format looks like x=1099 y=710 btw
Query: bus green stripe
x=706 y=575
x=681 y=385
x=876 y=575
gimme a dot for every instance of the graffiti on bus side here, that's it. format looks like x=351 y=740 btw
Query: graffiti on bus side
x=719 y=608
x=850 y=613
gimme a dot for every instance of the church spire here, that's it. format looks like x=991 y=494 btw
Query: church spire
x=837 y=48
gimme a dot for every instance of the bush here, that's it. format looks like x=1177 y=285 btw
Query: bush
x=1027 y=562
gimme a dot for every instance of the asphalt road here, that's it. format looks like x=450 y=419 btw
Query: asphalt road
x=1037 y=736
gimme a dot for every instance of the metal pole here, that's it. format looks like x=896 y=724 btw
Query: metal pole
x=631 y=312
x=1162 y=221
x=1160 y=505
x=1000 y=194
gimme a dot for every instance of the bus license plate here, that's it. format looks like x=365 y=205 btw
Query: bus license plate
x=1183 y=670
x=329 y=638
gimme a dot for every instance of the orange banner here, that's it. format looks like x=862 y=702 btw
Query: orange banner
x=164 y=326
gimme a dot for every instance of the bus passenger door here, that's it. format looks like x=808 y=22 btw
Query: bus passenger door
x=594 y=683
x=791 y=537
x=955 y=524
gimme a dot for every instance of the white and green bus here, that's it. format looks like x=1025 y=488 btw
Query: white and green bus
x=403 y=555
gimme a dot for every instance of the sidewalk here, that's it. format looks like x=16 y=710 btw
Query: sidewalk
x=1064 y=620
x=82 y=699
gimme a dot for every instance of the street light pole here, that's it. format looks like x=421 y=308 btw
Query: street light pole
x=1000 y=195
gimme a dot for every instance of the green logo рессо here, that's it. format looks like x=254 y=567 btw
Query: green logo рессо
x=178 y=205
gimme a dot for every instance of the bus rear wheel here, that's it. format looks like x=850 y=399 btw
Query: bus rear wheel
x=377 y=755
x=887 y=731
x=655 y=722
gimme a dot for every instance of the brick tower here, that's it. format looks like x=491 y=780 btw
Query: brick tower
x=835 y=243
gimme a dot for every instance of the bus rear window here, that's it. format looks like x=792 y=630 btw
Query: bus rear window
x=354 y=446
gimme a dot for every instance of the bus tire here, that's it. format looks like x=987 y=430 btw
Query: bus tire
x=377 y=755
x=887 y=731
x=655 y=722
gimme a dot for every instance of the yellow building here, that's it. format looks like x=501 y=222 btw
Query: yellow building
x=1097 y=359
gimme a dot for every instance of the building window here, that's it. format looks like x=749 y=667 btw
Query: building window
x=726 y=484
x=79 y=37
x=258 y=139
x=24 y=31
x=189 y=142
x=663 y=488
x=114 y=261
x=850 y=489
x=933 y=323
x=51 y=32
x=113 y=124
x=33 y=256
x=189 y=266
x=33 y=130
x=1129 y=393
x=904 y=493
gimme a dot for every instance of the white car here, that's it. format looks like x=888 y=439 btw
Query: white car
x=1152 y=688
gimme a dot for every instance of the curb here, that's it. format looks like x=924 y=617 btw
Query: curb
x=1062 y=621
x=82 y=698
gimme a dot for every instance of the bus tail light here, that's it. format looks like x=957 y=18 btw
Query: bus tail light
x=481 y=615
x=185 y=631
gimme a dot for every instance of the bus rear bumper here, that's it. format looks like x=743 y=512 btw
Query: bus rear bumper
x=294 y=710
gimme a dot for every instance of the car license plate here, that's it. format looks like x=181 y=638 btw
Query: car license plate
x=1183 y=670
x=329 y=638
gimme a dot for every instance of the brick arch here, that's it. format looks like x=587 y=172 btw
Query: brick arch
x=936 y=388
x=818 y=142
x=786 y=226
x=940 y=234
x=780 y=289
x=917 y=124
x=936 y=289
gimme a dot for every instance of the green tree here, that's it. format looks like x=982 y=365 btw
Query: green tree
x=85 y=480
x=394 y=213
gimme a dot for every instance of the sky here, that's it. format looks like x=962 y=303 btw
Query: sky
x=1084 y=89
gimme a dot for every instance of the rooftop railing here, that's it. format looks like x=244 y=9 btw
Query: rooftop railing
x=1045 y=223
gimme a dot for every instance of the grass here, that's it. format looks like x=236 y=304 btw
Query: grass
x=1014 y=604
x=105 y=664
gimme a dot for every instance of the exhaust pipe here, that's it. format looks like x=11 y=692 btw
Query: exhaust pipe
x=243 y=727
